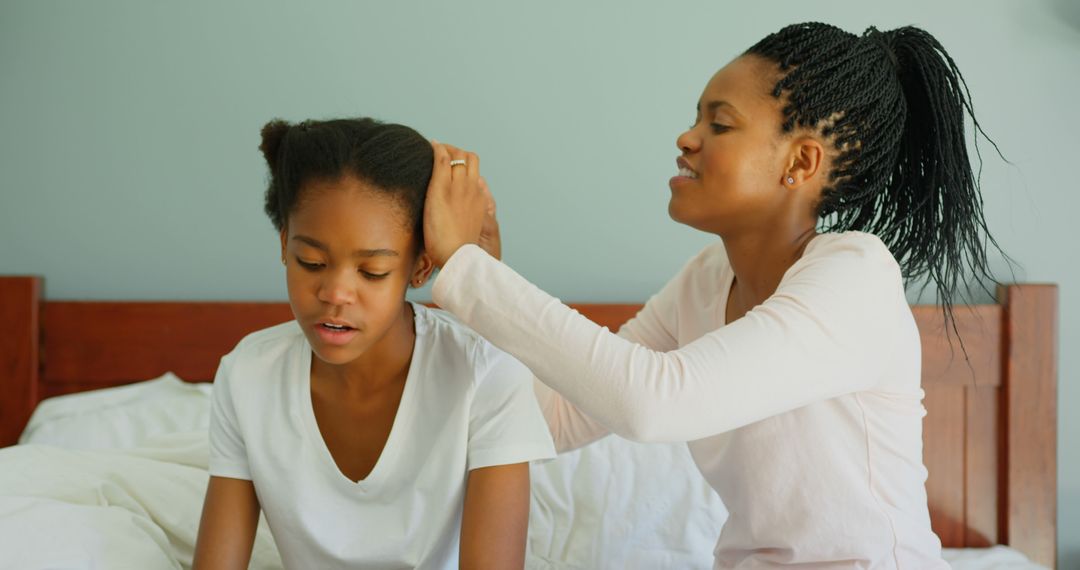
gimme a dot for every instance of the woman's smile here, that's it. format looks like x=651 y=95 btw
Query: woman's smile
x=685 y=175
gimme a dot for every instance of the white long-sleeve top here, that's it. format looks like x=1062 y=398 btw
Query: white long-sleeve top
x=805 y=415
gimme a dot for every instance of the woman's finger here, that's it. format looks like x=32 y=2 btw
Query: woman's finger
x=440 y=171
x=472 y=170
x=487 y=194
x=459 y=164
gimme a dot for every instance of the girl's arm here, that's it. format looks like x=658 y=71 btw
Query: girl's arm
x=495 y=519
x=227 y=530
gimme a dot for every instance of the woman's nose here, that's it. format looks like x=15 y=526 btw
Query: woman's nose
x=688 y=141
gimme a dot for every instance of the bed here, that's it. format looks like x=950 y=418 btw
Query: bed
x=989 y=434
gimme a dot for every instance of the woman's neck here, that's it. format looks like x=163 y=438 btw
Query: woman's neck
x=760 y=259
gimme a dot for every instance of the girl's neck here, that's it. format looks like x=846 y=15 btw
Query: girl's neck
x=383 y=364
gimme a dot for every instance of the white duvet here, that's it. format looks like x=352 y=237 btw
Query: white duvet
x=614 y=504
x=136 y=509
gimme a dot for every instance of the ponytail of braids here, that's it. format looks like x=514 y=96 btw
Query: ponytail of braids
x=893 y=104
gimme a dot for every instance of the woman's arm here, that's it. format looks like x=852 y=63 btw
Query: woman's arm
x=653 y=327
x=495 y=519
x=832 y=326
x=230 y=518
x=834 y=323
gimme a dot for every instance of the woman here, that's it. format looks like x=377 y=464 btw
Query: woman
x=787 y=358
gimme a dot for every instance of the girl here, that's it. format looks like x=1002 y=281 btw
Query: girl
x=372 y=432
x=787 y=358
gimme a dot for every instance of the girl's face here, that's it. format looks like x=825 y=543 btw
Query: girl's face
x=732 y=152
x=350 y=254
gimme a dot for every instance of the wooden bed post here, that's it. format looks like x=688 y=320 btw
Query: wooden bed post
x=20 y=305
x=1029 y=410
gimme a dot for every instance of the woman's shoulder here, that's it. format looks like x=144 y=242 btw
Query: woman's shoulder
x=709 y=265
x=855 y=268
x=852 y=245
x=711 y=257
x=863 y=244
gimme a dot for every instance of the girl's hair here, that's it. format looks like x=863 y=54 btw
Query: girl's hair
x=893 y=104
x=392 y=159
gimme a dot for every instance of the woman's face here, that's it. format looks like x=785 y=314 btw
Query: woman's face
x=732 y=164
x=350 y=254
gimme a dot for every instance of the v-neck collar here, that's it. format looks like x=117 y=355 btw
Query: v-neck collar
x=390 y=451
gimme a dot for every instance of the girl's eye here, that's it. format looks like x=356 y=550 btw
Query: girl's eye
x=309 y=265
x=374 y=276
x=718 y=128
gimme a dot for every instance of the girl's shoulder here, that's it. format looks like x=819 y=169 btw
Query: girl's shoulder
x=270 y=340
x=447 y=335
x=455 y=345
x=265 y=350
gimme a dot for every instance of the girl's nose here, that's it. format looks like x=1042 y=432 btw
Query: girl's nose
x=337 y=290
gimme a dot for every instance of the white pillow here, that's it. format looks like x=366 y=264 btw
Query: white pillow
x=121 y=417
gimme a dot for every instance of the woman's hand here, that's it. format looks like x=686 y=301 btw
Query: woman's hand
x=490 y=239
x=459 y=207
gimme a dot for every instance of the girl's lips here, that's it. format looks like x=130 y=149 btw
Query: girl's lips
x=334 y=337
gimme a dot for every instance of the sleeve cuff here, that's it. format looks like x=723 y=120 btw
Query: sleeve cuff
x=520 y=453
x=219 y=468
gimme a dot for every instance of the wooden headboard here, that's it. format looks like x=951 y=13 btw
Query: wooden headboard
x=990 y=432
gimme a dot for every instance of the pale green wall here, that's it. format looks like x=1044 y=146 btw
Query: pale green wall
x=128 y=134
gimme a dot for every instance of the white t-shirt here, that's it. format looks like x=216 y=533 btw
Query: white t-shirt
x=465 y=405
x=805 y=415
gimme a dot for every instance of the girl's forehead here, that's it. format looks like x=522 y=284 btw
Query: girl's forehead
x=322 y=197
x=350 y=215
x=336 y=185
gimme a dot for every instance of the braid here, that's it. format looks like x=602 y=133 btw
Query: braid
x=893 y=105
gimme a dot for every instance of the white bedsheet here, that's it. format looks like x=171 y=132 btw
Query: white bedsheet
x=614 y=504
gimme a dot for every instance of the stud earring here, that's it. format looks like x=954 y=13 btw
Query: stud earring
x=790 y=180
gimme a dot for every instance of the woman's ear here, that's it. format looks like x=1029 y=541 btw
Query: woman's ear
x=422 y=270
x=805 y=162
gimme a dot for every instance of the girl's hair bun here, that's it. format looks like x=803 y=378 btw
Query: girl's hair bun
x=273 y=134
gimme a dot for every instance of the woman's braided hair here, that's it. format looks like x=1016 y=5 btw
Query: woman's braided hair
x=893 y=104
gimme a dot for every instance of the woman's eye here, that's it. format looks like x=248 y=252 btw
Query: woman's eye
x=374 y=276
x=309 y=265
x=718 y=128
